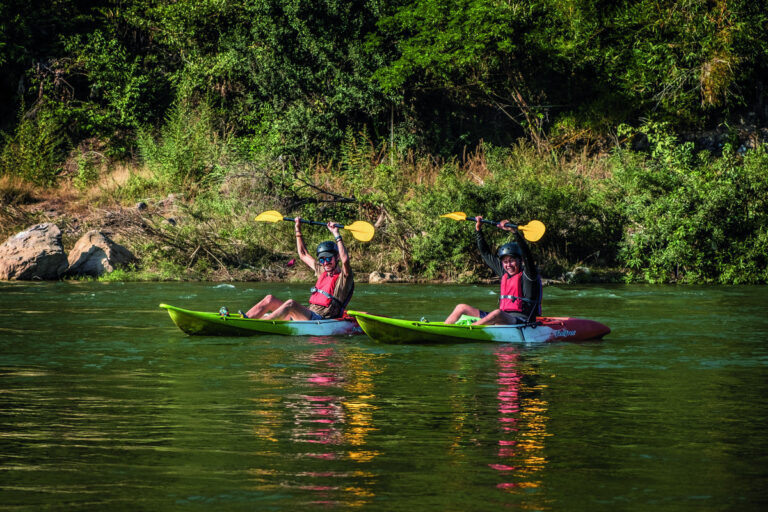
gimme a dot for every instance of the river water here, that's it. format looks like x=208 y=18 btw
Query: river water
x=106 y=405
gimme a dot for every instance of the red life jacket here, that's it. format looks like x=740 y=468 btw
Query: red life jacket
x=510 y=298
x=322 y=292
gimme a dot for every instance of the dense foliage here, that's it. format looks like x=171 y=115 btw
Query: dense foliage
x=406 y=108
x=693 y=217
x=292 y=76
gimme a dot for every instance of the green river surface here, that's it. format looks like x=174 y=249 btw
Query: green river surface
x=106 y=405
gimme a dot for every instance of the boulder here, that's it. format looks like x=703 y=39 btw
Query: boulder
x=95 y=254
x=579 y=275
x=382 y=277
x=36 y=253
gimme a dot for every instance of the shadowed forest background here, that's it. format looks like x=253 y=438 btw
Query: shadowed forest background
x=636 y=131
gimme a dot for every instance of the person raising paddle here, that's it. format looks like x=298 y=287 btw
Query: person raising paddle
x=521 y=290
x=332 y=291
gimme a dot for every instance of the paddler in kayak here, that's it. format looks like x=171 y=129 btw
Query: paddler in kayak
x=332 y=291
x=520 y=295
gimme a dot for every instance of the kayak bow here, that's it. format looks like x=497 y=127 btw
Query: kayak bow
x=213 y=324
x=393 y=330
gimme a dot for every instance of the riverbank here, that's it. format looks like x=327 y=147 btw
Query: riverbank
x=668 y=214
x=155 y=219
x=129 y=225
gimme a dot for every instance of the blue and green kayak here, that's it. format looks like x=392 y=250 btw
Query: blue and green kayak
x=545 y=329
x=214 y=324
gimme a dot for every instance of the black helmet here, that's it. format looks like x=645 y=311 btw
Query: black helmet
x=510 y=249
x=327 y=248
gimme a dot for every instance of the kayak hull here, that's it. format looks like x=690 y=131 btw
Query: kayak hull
x=546 y=329
x=212 y=324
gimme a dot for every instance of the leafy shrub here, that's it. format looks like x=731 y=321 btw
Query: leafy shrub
x=36 y=150
x=190 y=149
x=693 y=218
x=520 y=186
x=87 y=170
x=116 y=79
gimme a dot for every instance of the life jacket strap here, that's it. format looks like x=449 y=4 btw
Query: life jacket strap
x=512 y=297
x=323 y=292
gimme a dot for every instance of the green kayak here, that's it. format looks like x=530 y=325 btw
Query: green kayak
x=214 y=324
x=393 y=330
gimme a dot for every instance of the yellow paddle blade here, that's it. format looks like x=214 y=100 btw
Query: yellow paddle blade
x=533 y=231
x=455 y=216
x=361 y=230
x=270 y=216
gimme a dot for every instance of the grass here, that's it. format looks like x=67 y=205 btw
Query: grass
x=15 y=190
x=213 y=236
x=205 y=230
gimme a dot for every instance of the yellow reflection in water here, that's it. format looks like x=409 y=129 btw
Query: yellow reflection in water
x=330 y=415
x=268 y=415
x=363 y=455
x=522 y=416
x=360 y=367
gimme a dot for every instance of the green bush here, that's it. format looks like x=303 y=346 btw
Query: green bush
x=694 y=218
x=37 y=148
x=582 y=225
x=190 y=148
x=117 y=82
x=87 y=170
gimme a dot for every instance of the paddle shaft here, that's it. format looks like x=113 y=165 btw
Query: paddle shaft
x=313 y=222
x=486 y=221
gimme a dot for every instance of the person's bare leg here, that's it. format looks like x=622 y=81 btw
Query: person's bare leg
x=496 y=317
x=290 y=310
x=461 y=309
x=268 y=303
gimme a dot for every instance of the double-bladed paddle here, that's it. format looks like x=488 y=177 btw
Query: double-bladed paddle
x=533 y=231
x=360 y=229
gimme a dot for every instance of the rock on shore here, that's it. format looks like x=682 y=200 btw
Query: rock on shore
x=35 y=253
x=95 y=253
x=383 y=277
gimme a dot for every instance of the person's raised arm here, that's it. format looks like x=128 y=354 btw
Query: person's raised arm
x=301 y=248
x=529 y=268
x=489 y=258
x=346 y=268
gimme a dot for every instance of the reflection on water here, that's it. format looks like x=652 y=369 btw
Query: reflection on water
x=108 y=407
x=329 y=422
x=522 y=423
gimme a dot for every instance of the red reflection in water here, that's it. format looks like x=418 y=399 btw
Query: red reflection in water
x=317 y=418
x=321 y=420
x=323 y=409
x=323 y=379
x=519 y=420
x=509 y=388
